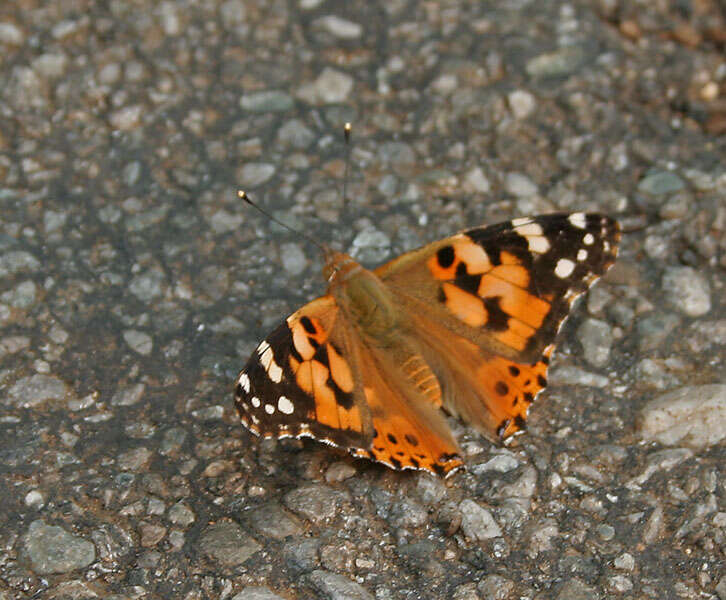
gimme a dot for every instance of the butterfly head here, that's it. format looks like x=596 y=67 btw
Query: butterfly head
x=339 y=266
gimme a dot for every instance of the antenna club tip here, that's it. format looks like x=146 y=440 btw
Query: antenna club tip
x=242 y=195
x=347 y=126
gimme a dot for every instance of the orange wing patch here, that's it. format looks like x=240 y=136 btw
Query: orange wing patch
x=403 y=440
x=511 y=388
x=321 y=372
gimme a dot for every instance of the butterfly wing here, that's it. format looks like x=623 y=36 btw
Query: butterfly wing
x=410 y=432
x=303 y=381
x=486 y=305
x=314 y=376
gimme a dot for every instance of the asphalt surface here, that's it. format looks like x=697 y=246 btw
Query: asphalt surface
x=134 y=284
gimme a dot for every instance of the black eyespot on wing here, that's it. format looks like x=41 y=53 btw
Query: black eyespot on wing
x=445 y=257
x=307 y=324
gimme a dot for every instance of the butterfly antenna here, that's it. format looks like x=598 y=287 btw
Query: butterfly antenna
x=346 y=134
x=242 y=195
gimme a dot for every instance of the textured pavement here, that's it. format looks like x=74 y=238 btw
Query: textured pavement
x=134 y=284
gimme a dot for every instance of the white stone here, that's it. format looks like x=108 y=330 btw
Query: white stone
x=693 y=416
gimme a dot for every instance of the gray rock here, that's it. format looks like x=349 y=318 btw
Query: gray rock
x=520 y=185
x=397 y=156
x=465 y=591
x=11 y=34
x=13 y=344
x=564 y=61
x=660 y=183
x=301 y=555
x=337 y=587
x=570 y=375
x=624 y=562
x=36 y=389
x=127 y=118
x=521 y=103
x=706 y=334
x=139 y=341
x=227 y=544
x=273 y=521
x=266 y=101
x=339 y=471
x=477 y=522
x=476 y=181
x=688 y=290
x=495 y=587
x=694 y=416
x=52 y=549
x=541 y=536
x=293 y=259
x=408 y=513
x=654 y=329
x=315 y=502
x=596 y=338
x=721 y=588
x=254 y=592
x=501 y=463
x=654 y=526
x=661 y=460
x=341 y=28
x=128 y=395
x=172 y=441
x=233 y=12
x=331 y=87
x=180 y=514
x=222 y=221
x=21 y=296
x=147 y=286
x=574 y=589
x=523 y=487
x=295 y=134
x=134 y=460
x=252 y=174
x=371 y=245
x=18 y=261
x=50 y=65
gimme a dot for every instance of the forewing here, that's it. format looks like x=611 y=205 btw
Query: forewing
x=303 y=381
x=508 y=287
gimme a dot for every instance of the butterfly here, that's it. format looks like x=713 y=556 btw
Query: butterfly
x=465 y=326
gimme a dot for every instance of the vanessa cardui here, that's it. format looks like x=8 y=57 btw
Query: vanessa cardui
x=465 y=324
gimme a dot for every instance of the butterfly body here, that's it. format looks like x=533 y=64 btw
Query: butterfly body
x=463 y=326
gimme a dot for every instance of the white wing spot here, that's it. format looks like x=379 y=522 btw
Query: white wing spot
x=284 y=405
x=244 y=381
x=528 y=228
x=267 y=360
x=588 y=239
x=581 y=254
x=538 y=243
x=521 y=221
x=606 y=246
x=274 y=372
x=269 y=409
x=255 y=401
x=255 y=420
x=577 y=220
x=564 y=268
x=262 y=348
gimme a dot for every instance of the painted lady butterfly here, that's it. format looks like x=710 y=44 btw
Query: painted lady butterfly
x=466 y=324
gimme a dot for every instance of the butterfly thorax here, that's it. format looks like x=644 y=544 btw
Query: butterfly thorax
x=362 y=295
